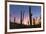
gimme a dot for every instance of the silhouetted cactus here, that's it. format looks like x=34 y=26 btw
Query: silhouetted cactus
x=14 y=21
x=10 y=17
x=21 y=18
x=30 y=15
x=33 y=21
x=23 y=15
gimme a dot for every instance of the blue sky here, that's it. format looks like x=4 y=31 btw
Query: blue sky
x=16 y=9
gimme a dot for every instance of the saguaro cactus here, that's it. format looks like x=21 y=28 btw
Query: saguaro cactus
x=14 y=21
x=33 y=21
x=30 y=15
x=21 y=18
x=23 y=14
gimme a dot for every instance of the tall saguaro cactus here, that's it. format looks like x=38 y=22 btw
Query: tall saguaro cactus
x=30 y=15
x=23 y=14
x=21 y=18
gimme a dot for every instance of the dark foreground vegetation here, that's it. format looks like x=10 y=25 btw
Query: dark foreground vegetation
x=17 y=26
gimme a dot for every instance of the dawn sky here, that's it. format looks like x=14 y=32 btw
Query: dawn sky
x=15 y=11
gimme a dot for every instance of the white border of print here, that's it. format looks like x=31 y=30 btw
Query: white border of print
x=26 y=29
